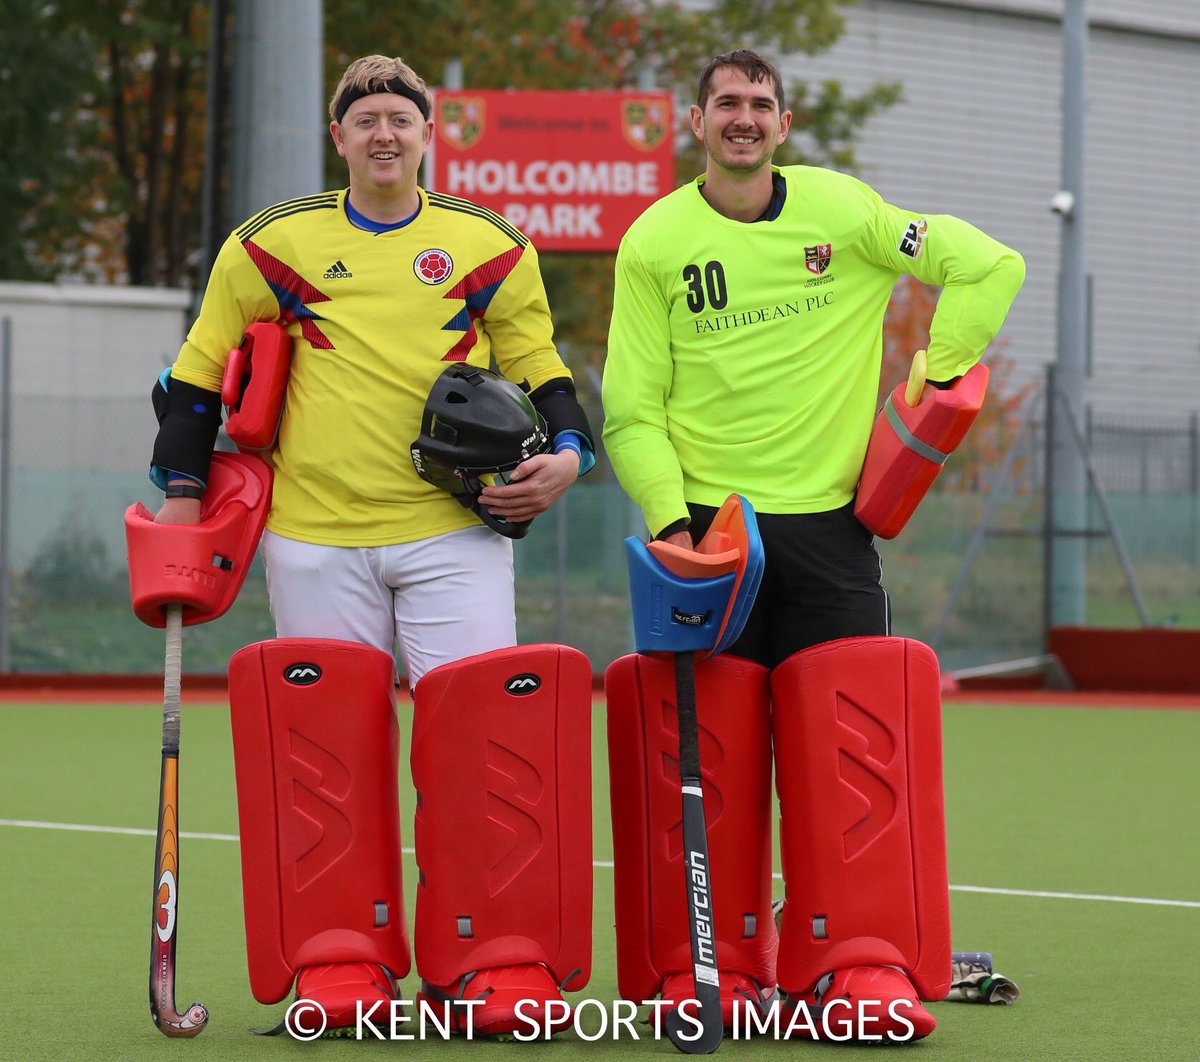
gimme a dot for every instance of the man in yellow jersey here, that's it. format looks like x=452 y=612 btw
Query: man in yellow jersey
x=744 y=357
x=381 y=286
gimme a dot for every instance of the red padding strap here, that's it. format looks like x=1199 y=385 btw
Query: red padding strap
x=908 y=446
x=200 y=566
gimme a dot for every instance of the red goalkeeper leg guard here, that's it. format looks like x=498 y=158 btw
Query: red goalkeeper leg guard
x=316 y=749
x=501 y=758
x=653 y=947
x=858 y=761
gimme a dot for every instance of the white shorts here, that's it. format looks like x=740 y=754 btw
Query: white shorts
x=435 y=600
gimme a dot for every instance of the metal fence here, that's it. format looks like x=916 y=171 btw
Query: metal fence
x=66 y=608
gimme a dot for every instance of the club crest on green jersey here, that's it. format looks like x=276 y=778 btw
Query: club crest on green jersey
x=816 y=259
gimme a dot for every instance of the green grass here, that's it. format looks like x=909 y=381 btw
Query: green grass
x=1068 y=800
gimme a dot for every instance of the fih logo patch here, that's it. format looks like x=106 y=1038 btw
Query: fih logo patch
x=301 y=674
x=914 y=238
x=523 y=685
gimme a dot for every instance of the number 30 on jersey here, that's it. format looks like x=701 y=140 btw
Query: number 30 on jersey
x=707 y=283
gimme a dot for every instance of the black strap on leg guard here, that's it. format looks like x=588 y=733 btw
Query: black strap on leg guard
x=560 y=409
x=188 y=420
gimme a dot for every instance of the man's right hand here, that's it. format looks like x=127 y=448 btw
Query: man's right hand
x=179 y=511
x=683 y=539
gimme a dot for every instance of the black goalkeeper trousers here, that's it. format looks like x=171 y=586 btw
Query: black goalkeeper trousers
x=821 y=581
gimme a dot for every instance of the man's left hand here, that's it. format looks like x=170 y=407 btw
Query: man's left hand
x=533 y=486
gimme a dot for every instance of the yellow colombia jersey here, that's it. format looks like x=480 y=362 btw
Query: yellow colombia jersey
x=746 y=357
x=375 y=318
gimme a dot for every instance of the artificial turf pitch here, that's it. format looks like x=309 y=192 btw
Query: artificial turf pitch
x=1095 y=806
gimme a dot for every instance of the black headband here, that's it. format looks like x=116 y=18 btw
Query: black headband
x=395 y=86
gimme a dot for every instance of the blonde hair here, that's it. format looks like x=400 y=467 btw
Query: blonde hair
x=379 y=73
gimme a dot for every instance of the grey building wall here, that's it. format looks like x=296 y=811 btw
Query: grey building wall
x=84 y=359
x=978 y=135
x=1169 y=16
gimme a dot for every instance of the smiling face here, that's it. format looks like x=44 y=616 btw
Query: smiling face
x=740 y=125
x=383 y=138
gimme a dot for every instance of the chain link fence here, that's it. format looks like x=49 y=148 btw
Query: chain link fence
x=67 y=602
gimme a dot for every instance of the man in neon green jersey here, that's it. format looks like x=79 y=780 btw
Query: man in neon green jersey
x=744 y=356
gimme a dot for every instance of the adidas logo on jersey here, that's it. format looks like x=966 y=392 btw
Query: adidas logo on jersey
x=338 y=271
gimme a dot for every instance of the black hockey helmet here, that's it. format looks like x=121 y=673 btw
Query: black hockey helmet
x=476 y=424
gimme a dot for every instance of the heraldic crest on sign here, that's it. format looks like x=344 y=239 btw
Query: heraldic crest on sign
x=460 y=120
x=645 y=122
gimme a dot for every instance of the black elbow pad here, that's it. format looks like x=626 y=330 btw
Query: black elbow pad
x=560 y=409
x=189 y=418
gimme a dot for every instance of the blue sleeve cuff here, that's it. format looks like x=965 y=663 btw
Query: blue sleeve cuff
x=572 y=440
x=160 y=477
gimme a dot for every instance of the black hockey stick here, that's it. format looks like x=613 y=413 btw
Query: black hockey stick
x=165 y=915
x=697 y=1033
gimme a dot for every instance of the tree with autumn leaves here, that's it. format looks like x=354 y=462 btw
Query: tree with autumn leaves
x=101 y=139
x=103 y=126
x=905 y=331
x=104 y=116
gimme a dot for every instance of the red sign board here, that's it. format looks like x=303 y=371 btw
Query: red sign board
x=571 y=170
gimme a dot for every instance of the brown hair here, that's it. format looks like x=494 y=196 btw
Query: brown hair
x=379 y=73
x=754 y=66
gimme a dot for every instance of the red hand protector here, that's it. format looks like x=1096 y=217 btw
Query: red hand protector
x=200 y=566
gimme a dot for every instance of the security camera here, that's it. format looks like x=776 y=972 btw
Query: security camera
x=1062 y=203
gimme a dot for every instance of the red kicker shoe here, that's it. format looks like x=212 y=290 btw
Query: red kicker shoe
x=339 y=988
x=494 y=995
x=737 y=990
x=863 y=1004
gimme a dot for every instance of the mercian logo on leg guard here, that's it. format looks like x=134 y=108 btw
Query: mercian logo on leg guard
x=859 y=761
x=513 y=785
x=318 y=786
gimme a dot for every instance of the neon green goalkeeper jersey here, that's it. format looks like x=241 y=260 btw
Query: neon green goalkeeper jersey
x=745 y=357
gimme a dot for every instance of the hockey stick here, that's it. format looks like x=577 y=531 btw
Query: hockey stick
x=683 y=1032
x=165 y=912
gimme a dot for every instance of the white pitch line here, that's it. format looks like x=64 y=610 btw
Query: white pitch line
x=133 y=831
x=1077 y=896
x=1036 y=893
